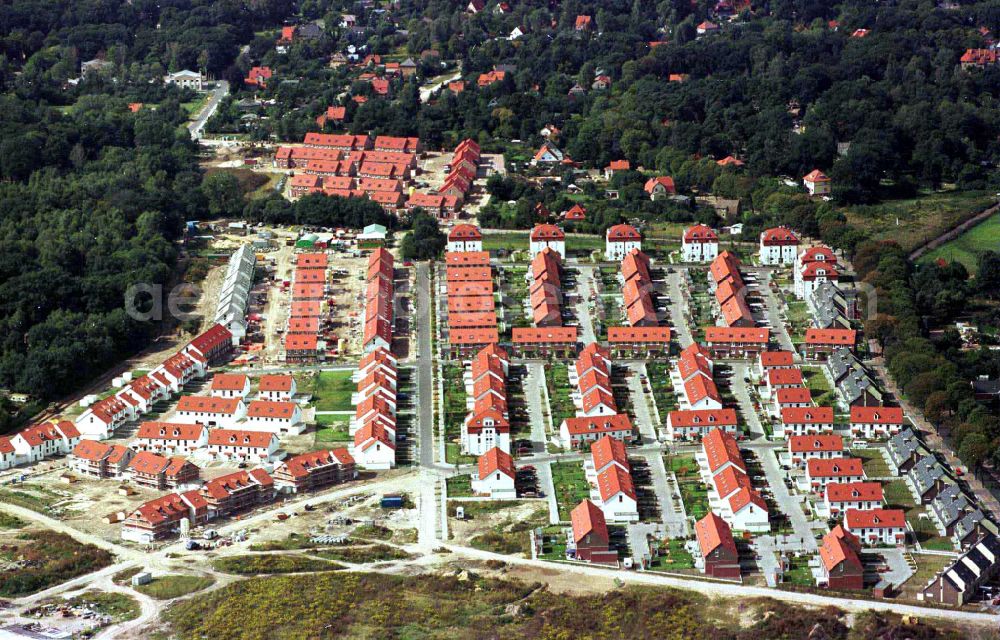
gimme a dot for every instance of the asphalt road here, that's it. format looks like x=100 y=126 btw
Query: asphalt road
x=424 y=362
x=221 y=90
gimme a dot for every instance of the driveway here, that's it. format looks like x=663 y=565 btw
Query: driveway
x=773 y=306
x=640 y=402
x=425 y=380
x=221 y=90
x=787 y=503
x=674 y=521
x=584 y=285
x=678 y=303
x=741 y=391
x=534 y=383
x=544 y=472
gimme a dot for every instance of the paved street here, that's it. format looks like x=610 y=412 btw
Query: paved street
x=640 y=403
x=585 y=284
x=221 y=90
x=425 y=381
x=544 y=474
x=773 y=305
x=787 y=504
x=677 y=305
x=741 y=390
x=533 y=384
x=674 y=521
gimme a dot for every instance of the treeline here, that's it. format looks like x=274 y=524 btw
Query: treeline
x=90 y=204
x=933 y=374
x=319 y=210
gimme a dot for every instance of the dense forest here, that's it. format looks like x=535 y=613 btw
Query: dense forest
x=92 y=194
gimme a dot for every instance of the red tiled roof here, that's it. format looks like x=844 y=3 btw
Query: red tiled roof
x=545 y=232
x=876 y=415
x=776 y=358
x=240 y=438
x=746 y=496
x=713 y=532
x=838 y=337
x=840 y=546
x=835 y=468
x=639 y=334
x=607 y=450
x=703 y=418
x=875 y=519
x=586 y=518
x=820 y=442
x=229 y=382
x=169 y=431
x=700 y=233
x=598 y=424
x=276 y=382
x=737 y=335
x=613 y=481
x=854 y=491
x=793 y=395
x=271 y=409
x=720 y=448
x=496 y=459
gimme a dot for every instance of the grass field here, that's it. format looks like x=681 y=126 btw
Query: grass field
x=967 y=247
x=332 y=428
x=272 y=563
x=560 y=403
x=872 y=462
x=571 y=486
x=175 y=586
x=332 y=390
x=920 y=219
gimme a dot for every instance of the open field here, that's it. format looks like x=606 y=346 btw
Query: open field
x=272 y=563
x=174 y=586
x=967 y=247
x=332 y=428
x=41 y=559
x=920 y=219
x=332 y=390
x=571 y=486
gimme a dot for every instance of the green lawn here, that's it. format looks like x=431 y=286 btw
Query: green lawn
x=119 y=606
x=798 y=572
x=506 y=240
x=571 y=486
x=460 y=486
x=332 y=428
x=332 y=391
x=919 y=219
x=926 y=532
x=560 y=403
x=897 y=495
x=695 y=497
x=663 y=390
x=822 y=393
x=675 y=558
x=873 y=462
x=967 y=247
x=684 y=467
x=174 y=586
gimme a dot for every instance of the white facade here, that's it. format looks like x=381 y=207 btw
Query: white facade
x=750 y=518
x=278 y=395
x=239 y=452
x=292 y=425
x=559 y=246
x=777 y=254
x=221 y=420
x=619 y=508
x=616 y=250
x=92 y=426
x=489 y=436
x=374 y=454
x=186 y=79
x=465 y=245
x=699 y=251
x=497 y=485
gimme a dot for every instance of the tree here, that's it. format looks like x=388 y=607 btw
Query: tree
x=988 y=274
x=223 y=194
x=425 y=241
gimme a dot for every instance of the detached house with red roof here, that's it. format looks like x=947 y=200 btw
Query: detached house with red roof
x=275 y=416
x=161 y=517
x=314 y=470
x=230 y=385
x=237 y=492
x=838 y=497
x=840 y=561
x=583 y=23
x=876 y=422
x=615 y=166
x=100 y=460
x=8 y=458
x=615 y=495
x=699 y=243
x=210 y=411
x=44 y=440
x=820 y=473
x=495 y=475
x=660 y=187
x=169 y=438
x=778 y=246
x=817 y=183
x=258 y=77
x=620 y=240
x=877 y=526
x=276 y=387
x=719 y=556
x=374 y=446
x=547 y=236
x=243 y=446
x=590 y=538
